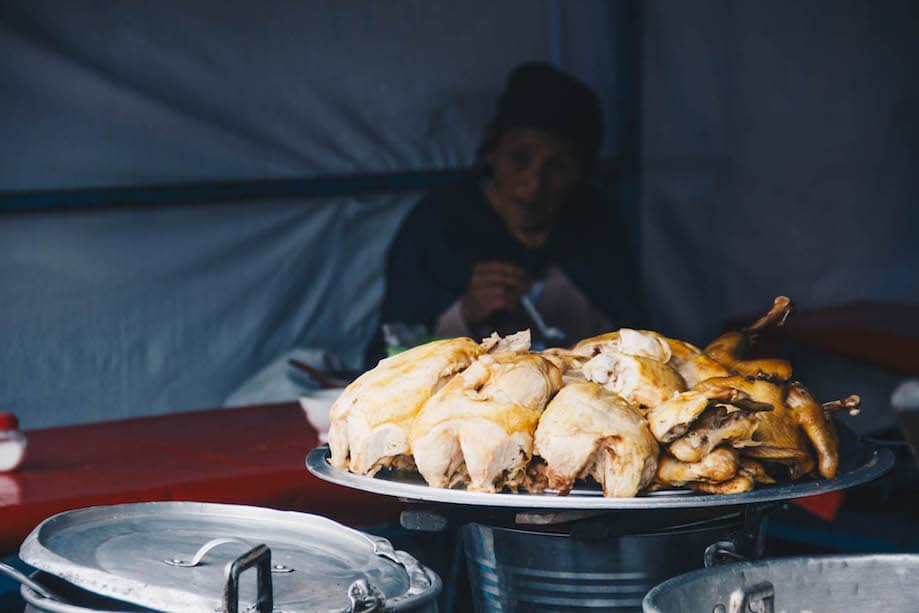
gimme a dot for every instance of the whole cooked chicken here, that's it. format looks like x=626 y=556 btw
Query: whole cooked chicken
x=371 y=419
x=589 y=431
x=633 y=364
x=796 y=423
x=478 y=429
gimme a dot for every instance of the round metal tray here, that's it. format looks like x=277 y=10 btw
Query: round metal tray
x=859 y=463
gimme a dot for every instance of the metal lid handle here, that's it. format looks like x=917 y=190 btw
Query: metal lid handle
x=260 y=557
x=203 y=550
x=15 y=575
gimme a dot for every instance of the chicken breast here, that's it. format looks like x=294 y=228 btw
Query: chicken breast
x=633 y=364
x=589 y=431
x=478 y=429
x=370 y=421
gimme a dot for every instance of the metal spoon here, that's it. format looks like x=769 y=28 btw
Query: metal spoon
x=548 y=332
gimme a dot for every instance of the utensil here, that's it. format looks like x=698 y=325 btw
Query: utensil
x=548 y=332
x=324 y=380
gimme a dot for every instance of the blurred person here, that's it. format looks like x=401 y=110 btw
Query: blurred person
x=526 y=223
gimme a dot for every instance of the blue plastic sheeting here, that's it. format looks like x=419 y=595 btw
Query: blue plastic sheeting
x=124 y=312
x=780 y=143
x=103 y=95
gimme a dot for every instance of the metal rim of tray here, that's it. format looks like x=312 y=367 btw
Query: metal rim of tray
x=871 y=464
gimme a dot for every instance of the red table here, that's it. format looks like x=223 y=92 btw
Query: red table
x=251 y=455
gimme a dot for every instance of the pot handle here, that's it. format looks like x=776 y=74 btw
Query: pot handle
x=365 y=597
x=759 y=597
x=15 y=575
x=717 y=552
x=260 y=557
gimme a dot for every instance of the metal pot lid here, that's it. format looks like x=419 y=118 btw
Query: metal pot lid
x=177 y=556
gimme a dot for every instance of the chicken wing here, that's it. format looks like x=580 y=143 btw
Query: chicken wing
x=370 y=420
x=589 y=431
x=730 y=348
x=478 y=429
x=718 y=466
x=819 y=427
x=748 y=475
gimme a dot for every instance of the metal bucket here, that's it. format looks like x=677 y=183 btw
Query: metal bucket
x=524 y=570
x=819 y=584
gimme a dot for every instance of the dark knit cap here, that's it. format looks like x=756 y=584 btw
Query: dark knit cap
x=541 y=96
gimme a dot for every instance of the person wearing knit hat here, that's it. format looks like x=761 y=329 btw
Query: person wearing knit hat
x=526 y=228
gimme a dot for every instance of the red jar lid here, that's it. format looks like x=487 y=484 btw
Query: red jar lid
x=9 y=421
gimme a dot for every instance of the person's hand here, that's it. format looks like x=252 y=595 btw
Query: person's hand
x=494 y=286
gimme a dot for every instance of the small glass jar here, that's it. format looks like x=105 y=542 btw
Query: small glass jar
x=12 y=442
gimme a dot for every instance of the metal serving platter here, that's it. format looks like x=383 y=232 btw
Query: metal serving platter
x=859 y=463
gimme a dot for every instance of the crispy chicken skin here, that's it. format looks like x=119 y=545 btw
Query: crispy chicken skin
x=371 y=419
x=478 y=429
x=589 y=431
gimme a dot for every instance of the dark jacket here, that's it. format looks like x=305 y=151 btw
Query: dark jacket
x=452 y=228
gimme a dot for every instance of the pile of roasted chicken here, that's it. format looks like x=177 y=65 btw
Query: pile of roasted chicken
x=633 y=410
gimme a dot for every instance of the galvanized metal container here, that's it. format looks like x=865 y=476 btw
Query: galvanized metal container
x=817 y=584
x=528 y=570
x=185 y=556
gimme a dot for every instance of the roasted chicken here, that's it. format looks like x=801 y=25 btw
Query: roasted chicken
x=632 y=409
x=370 y=421
x=478 y=429
x=787 y=433
x=730 y=348
x=632 y=364
x=748 y=475
x=589 y=431
x=718 y=466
